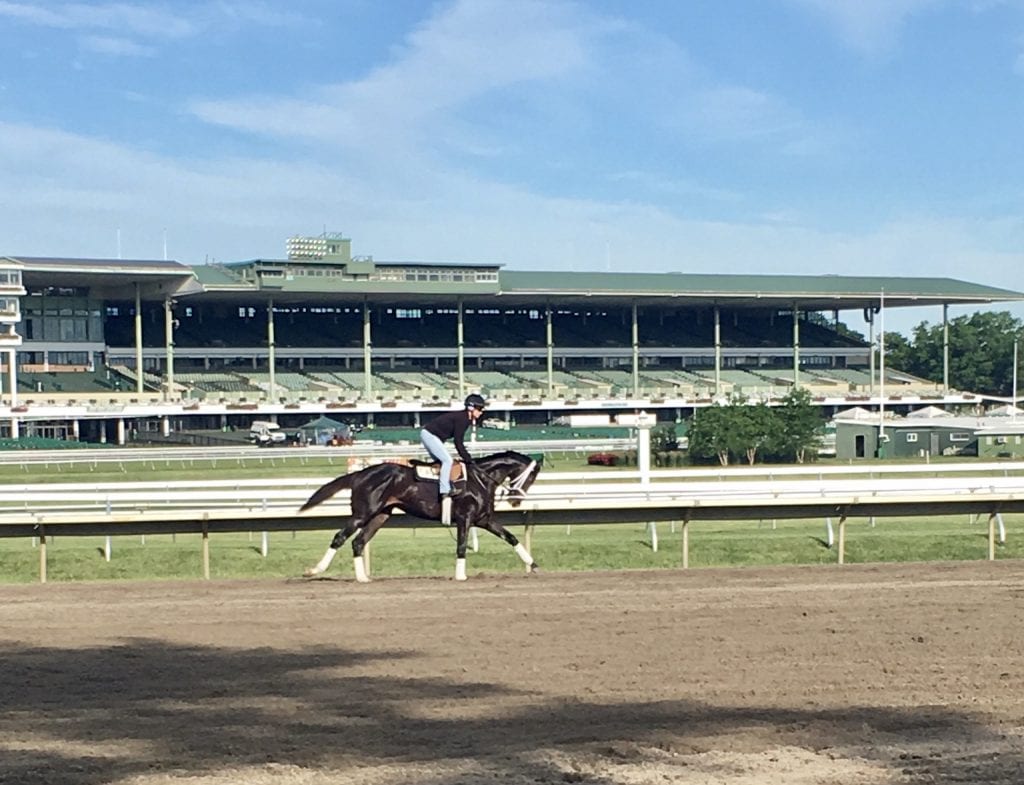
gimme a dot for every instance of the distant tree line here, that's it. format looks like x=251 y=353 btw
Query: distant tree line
x=980 y=352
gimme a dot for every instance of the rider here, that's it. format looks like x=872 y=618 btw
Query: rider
x=451 y=425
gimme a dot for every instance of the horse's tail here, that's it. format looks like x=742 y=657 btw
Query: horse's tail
x=327 y=490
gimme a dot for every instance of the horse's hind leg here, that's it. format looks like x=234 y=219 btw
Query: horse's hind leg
x=364 y=535
x=336 y=542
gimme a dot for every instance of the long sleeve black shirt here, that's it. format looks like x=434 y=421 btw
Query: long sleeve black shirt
x=452 y=425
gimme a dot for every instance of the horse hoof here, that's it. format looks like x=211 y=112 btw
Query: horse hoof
x=312 y=572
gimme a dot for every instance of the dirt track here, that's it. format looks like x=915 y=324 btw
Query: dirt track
x=846 y=675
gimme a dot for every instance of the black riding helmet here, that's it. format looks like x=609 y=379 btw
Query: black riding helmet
x=475 y=401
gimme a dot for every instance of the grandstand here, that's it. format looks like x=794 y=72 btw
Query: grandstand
x=95 y=348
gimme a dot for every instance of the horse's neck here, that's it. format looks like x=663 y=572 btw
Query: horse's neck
x=502 y=468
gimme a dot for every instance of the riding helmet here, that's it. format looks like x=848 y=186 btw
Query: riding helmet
x=475 y=401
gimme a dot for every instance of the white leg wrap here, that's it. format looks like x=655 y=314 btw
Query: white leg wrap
x=460 y=569
x=446 y=510
x=524 y=554
x=360 y=569
x=324 y=563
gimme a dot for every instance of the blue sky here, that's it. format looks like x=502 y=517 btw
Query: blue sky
x=787 y=136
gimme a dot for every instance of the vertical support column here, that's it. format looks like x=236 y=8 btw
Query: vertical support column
x=636 y=353
x=945 y=349
x=139 y=385
x=796 y=346
x=550 y=342
x=460 y=343
x=367 y=352
x=12 y=377
x=643 y=447
x=718 y=351
x=120 y=431
x=869 y=315
x=271 y=355
x=169 y=347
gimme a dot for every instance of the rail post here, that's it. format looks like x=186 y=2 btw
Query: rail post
x=686 y=542
x=992 y=536
x=206 y=546
x=842 y=539
x=42 y=555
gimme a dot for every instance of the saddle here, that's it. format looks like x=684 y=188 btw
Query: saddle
x=430 y=471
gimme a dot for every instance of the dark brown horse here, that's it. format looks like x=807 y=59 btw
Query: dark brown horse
x=379 y=490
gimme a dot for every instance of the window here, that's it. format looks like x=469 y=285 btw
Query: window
x=911 y=437
x=959 y=437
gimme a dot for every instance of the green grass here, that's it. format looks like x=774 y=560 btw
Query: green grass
x=429 y=551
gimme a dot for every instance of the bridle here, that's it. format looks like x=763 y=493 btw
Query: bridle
x=514 y=485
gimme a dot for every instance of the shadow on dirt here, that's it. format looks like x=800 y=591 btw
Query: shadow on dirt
x=147 y=708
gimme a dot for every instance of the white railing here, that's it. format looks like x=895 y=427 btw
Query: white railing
x=48 y=509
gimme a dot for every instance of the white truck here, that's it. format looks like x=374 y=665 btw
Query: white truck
x=265 y=433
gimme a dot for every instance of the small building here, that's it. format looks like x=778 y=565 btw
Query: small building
x=907 y=437
x=1002 y=437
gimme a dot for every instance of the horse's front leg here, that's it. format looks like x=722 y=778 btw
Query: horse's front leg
x=500 y=531
x=462 y=532
x=336 y=542
x=359 y=542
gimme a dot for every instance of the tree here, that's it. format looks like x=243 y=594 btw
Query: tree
x=735 y=430
x=753 y=427
x=799 y=427
x=706 y=436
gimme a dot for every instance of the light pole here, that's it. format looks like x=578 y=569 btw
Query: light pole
x=1013 y=411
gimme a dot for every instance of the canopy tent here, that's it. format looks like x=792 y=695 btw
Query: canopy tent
x=1006 y=410
x=323 y=430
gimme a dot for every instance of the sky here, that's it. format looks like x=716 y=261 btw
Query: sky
x=835 y=137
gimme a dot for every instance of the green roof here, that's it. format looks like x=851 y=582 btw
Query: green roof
x=814 y=291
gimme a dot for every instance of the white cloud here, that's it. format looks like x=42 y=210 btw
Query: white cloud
x=109 y=45
x=871 y=27
x=126 y=18
x=465 y=51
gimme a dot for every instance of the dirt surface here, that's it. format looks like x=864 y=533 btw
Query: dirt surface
x=856 y=674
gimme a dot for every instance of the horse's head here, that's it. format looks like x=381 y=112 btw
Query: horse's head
x=511 y=472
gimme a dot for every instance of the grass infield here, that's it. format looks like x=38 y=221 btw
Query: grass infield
x=430 y=550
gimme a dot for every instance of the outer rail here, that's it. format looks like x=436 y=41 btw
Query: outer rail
x=43 y=510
